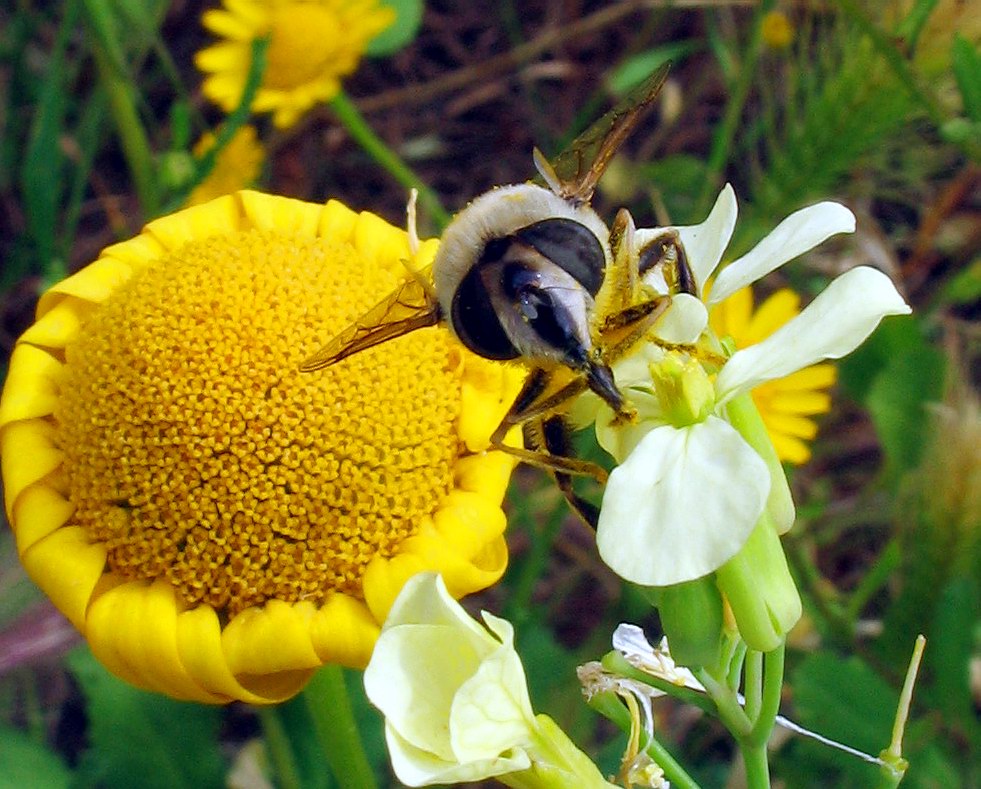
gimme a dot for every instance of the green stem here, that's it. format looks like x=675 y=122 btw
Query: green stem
x=874 y=580
x=609 y=706
x=722 y=141
x=327 y=699
x=519 y=607
x=729 y=710
x=753 y=745
x=772 y=687
x=122 y=105
x=390 y=161
x=757 y=767
x=753 y=690
x=278 y=746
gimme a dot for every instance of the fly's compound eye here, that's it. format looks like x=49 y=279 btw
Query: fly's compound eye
x=517 y=265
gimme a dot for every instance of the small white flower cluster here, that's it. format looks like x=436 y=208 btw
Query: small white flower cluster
x=685 y=497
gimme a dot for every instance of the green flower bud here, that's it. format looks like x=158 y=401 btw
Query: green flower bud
x=691 y=616
x=760 y=590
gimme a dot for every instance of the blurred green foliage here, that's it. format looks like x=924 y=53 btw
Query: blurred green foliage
x=846 y=111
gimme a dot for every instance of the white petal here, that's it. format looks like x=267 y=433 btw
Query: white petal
x=682 y=504
x=413 y=677
x=424 y=600
x=620 y=440
x=684 y=321
x=831 y=326
x=704 y=243
x=492 y=711
x=416 y=767
x=799 y=232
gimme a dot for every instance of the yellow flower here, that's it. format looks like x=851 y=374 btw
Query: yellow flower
x=313 y=44
x=236 y=167
x=786 y=404
x=216 y=523
x=777 y=30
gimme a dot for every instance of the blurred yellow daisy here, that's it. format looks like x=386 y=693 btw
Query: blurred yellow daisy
x=237 y=165
x=787 y=404
x=313 y=44
x=777 y=30
x=216 y=523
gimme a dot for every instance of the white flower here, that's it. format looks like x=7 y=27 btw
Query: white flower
x=453 y=692
x=455 y=700
x=686 y=497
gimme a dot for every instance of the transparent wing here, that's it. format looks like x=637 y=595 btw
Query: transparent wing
x=411 y=306
x=579 y=167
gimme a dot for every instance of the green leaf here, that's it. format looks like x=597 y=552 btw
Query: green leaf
x=965 y=286
x=408 y=16
x=43 y=161
x=24 y=762
x=859 y=370
x=634 y=70
x=897 y=399
x=911 y=26
x=680 y=178
x=143 y=739
x=966 y=63
x=842 y=698
x=950 y=647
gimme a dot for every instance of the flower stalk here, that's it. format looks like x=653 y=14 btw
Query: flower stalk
x=279 y=749
x=347 y=113
x=337 y=730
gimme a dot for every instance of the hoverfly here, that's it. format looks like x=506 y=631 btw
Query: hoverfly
x=529 y=272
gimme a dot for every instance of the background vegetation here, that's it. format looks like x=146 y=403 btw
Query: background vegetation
x=875 y=104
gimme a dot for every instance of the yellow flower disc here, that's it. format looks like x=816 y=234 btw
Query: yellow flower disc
x=216 y=522
x=312 y=45
x=787 y=404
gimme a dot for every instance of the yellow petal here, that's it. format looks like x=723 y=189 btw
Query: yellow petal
x=487 y=474
x=817 y=376
x=251 y=12
x=94 y=283
x=467 y=521
x=802 y=403
x=56 y=327
x=200 y=650
x=67 y=567
x=37 y=512
x=223 y=57
x=157 y=633
x=384 y=578
x=788 y=425
x=221 y=216
x=771 y=315
x=109 y=622
x=133 y=254
x=380 y=243
x=31 y=389
x=273 y=638
x=226 y=25
x=337 y=221
x=429 y=550
x=269 y=212
x=344 y=631
x=29 y=455
x=732 y=316
x=791 y=450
